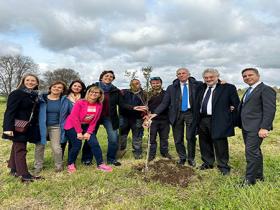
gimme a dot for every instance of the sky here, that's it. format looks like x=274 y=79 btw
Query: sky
x=90 y=36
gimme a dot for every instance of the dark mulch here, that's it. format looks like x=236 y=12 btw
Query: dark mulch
x=166 y=172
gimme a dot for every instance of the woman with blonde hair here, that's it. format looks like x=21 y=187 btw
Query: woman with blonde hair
x=81 y=125
x=22 y=105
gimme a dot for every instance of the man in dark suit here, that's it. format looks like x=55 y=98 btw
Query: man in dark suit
x=215 y=115
x=257 y=110
x=179 y=98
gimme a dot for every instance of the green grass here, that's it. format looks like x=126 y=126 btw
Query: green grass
x=122 y=189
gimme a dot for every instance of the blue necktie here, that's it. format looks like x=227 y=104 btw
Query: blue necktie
x=205 y=101
x=185 y=97
x=247 y=94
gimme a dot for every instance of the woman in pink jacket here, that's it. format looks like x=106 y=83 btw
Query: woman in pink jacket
x=80 y=125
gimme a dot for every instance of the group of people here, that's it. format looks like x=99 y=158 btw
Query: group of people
x=211 y=109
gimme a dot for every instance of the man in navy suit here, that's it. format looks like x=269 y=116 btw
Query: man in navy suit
x=215 y=116
x=257 y=111
x=179 y=98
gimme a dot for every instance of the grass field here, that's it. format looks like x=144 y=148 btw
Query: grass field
x=122 y=189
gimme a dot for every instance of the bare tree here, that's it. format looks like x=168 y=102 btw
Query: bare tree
x=131 y=74
x=12 y=68
x=63 y=74
x=147 y=74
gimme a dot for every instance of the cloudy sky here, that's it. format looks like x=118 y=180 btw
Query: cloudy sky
x=92 y=35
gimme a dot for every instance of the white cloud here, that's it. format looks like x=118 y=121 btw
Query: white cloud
x=9 y=48
x=92 y=35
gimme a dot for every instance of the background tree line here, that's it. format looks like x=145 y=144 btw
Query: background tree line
x=13 y=67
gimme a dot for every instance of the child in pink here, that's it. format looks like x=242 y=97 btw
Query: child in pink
x=80 y=125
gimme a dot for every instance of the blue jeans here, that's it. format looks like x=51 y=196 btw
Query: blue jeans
x=112 y=139
x=76 y=145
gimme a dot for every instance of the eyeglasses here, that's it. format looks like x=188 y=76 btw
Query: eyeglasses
x=155 y=78
x=95 y=92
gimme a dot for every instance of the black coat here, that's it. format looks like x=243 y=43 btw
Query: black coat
x=19 y=106
x=154 y=101
x=115 y=100
x=223 y=120
x=173 y=98
x=132 y=99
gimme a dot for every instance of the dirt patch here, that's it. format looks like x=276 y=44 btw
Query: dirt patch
x=166 y=172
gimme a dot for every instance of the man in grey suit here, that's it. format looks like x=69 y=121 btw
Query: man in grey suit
x=257 y=110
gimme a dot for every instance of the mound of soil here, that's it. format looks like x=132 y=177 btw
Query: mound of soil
x=165 y=172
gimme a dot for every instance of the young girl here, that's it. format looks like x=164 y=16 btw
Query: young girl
x=80 y=125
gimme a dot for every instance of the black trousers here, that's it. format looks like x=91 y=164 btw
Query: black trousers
x=184 y=121
x=162 y=128
x=17 y=159
x=253 y=154
x=209 y=148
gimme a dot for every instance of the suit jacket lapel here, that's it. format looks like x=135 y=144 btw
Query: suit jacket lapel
x=201 y=93
x=254 y=91
x=216 y=94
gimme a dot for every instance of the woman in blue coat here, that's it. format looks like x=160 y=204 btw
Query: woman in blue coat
x=54 y=108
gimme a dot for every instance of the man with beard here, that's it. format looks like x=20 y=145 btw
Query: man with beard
x=132 y=119
x=160 y=124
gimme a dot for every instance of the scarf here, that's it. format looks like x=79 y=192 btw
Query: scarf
x=105 y=87
x=32 y=93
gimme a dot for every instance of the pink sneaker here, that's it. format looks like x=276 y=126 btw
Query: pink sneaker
x=71 y=168
x=103 y=167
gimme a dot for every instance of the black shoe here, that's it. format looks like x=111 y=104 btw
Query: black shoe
x=204 y=166
x=167 y=155
x=87 y=162
x=247 y=182
x=27 y=178
x=191 y=163
x=181 y=162
x=115 y=163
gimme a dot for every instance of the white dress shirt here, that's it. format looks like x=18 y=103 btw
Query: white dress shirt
x=209 y=104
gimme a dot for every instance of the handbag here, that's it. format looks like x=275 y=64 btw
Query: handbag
x=21 y=126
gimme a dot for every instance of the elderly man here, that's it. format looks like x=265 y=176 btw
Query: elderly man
x=215 y=116
x=257 y=112
x=179 y=98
